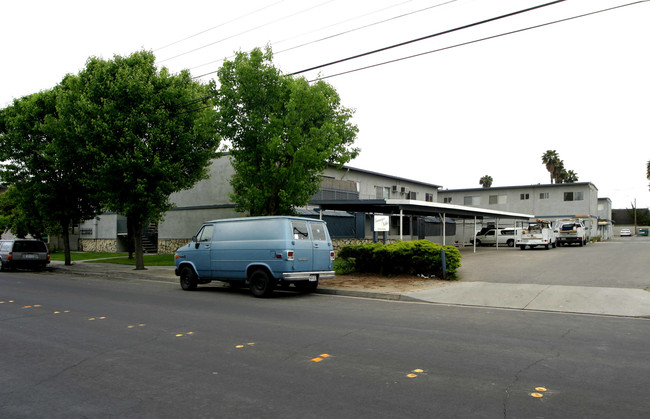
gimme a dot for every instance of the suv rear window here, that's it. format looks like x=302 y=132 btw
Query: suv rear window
x=29 y=246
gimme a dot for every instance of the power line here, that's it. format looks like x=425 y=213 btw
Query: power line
x=401 y=44
x=367 y=26
x=479 y=40
x=218 y=26
x=246 y=31
x=312 y=31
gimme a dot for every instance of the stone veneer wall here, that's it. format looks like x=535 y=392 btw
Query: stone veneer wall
x=169 y=246
x=98 y=245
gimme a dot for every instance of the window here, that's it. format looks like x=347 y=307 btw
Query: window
x=472 y=200
x=446 y=200
x=498 y=199
x=574 y=196
x=543 y=195
x=524 y=196
x=412 y=195
x=205 y=235
x=428 y=197
x=382 y=192
x=318 y=232
x=300 y=231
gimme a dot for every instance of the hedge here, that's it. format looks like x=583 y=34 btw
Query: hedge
x=419 y=257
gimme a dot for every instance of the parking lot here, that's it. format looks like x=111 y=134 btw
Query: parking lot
x=621 y=262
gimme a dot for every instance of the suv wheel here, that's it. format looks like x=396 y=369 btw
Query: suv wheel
x=189 y=279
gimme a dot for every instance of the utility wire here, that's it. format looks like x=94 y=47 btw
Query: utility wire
x=479 y=40
x=367 y=26
x=339 y=34
x=312 y=31
x=218 y=26
x=401 y=44
x=246 y=31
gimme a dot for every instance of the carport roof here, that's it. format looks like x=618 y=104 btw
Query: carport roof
x=412 y=207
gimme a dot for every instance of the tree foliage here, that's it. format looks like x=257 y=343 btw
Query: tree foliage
x=555 y=167
x=283 y=133
x=148 y=133
x=44 y=167
x=486 y=181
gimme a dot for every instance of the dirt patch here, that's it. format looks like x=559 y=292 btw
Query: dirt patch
x=392 y=285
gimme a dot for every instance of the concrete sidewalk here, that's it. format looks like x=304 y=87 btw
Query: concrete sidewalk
x=624 y=302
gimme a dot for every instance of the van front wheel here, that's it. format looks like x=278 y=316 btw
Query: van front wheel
x=189 y=279
x=261 y=284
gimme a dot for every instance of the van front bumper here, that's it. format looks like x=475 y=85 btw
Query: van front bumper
x=307 y=276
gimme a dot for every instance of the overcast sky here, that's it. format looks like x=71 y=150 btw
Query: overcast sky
x=580 y=87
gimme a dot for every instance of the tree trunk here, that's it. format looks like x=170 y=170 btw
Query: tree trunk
x=65 y=228
x=137 y=238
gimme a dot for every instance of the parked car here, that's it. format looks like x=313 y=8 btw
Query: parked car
x=506 y=236
x=625 y=232
x=261 y=252
x=23 y=253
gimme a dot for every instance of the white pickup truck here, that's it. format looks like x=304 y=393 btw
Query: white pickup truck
x=571 y=230
x=534 y=233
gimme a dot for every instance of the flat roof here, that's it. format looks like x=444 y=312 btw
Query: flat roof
x=413 y=207
x=370 y=172
x=537 y=185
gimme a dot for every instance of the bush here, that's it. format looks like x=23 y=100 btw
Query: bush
x=420 y=257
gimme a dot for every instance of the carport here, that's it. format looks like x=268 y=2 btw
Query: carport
x=409 y=208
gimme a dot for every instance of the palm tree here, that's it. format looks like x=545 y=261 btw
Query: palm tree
x=569 y=176
x=486 y=181
x=551 y=159
x=559 y=172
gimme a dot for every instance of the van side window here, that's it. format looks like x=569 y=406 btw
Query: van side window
x=205 y=235
x=318 y=232
x=299 y=230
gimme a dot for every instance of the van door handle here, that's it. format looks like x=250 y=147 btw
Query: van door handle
x=315 y=244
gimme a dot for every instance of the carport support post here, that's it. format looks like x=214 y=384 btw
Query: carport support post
x=401 y=221
x=475 y=234
x=496 y=234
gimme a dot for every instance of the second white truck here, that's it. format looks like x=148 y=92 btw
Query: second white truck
x=571 y=230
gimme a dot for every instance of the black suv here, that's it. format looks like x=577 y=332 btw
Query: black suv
x=23 y=253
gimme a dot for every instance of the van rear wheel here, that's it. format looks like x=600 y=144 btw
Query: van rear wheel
x=189 y=280
x=261 y=283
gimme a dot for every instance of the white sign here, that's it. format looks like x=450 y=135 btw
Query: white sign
x=382 y=222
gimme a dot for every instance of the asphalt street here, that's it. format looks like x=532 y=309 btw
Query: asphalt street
x=79 y=346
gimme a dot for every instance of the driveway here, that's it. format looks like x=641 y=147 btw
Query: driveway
x=608 y=278
x=620 y=263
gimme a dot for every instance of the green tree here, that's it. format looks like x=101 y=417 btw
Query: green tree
x=569 y=176
x=20 y=214
x=283 y=133
x=45 y=167
x=551 y=160
x=149 y=134
x=486 y=181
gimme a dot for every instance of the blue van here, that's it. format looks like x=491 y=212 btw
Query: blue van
x=261 y=252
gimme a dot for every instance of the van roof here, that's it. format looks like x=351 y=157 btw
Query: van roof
x=271 y=217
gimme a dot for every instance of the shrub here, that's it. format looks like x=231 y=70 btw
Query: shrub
x=409 y=257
